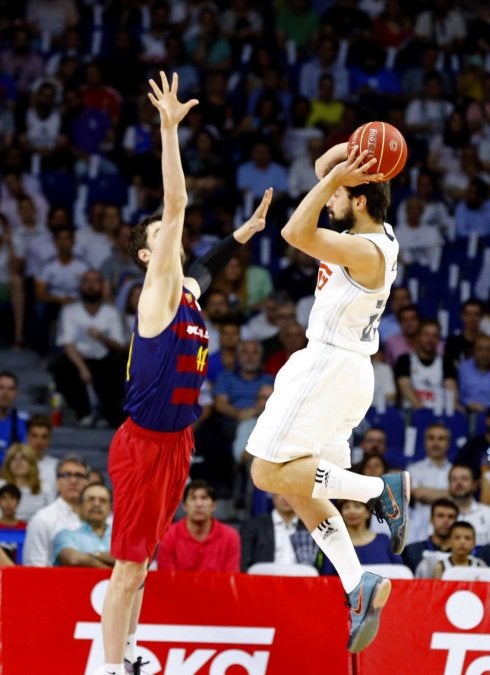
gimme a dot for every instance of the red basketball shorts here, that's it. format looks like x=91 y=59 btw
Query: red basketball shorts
x=148 y=470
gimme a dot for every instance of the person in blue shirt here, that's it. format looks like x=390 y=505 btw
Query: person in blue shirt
x=89 y=545
x=12 y=421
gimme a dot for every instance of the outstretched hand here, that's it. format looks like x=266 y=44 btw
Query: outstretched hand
x=353 y=171
x=171 y=110
x=256 y=222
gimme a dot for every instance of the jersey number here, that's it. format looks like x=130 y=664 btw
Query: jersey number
x=369 y=331
x=201 y=358
x=324 y=273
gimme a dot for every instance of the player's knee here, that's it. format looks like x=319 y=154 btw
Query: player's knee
x=131 y=576
x=262 y=474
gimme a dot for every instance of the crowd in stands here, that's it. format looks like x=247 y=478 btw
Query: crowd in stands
x=278 y=83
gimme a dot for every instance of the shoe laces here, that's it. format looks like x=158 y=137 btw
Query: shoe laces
x=376 y=508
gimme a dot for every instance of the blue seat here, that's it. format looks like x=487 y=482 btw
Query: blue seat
x=458 y=424
x=16 y=537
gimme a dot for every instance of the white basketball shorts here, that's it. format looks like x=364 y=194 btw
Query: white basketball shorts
x=320 y=395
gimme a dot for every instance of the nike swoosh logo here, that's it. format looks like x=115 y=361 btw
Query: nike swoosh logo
x=396 y=508
x=358 y=609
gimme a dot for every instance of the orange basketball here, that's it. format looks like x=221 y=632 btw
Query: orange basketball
x=384 y=142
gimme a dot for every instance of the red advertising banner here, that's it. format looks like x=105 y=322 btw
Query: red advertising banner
x=432 y=628
x=191 y=624
x=234 y=624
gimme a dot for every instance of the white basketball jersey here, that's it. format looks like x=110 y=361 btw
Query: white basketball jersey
x=346 y=314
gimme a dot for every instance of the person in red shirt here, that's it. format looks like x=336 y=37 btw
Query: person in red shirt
x=199 y=542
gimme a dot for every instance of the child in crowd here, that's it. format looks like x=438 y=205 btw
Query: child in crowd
x=10 y=496
x=462 y=540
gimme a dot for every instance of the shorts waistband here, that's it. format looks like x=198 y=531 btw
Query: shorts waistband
x=150 y=433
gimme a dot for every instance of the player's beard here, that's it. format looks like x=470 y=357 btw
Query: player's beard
x=342 y=223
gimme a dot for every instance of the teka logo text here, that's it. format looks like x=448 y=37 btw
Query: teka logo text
x=185 y=660
x=465 y=611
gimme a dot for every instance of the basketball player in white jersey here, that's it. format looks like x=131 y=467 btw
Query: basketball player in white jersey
x=300 y=443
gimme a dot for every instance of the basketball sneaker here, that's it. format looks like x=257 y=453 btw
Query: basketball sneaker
x=366 y=602
x=392 y=506
x=135 y=668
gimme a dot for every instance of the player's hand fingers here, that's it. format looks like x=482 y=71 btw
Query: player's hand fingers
x=165 y=86
x=155 y=88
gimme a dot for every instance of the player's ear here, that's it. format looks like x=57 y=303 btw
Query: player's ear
x=144 y=255
x=361 y=202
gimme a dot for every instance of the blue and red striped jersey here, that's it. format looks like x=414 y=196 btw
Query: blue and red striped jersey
x=164 y=374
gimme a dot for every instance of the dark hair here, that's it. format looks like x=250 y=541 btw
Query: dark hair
x=199 y=484
x=91 y=485
x=362 y=464
x=378 y=198
x=463 y=524
x=138 y=239
x=445 y=503
x=11 y=375
x=39 y=421
x=10 y=489
x=461 y=465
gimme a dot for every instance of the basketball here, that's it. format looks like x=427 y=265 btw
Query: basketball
x=383 y=141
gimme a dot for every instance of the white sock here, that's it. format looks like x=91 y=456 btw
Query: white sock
x=335 y=483
x=113 y=668
x=130 y=653
x=334 y=540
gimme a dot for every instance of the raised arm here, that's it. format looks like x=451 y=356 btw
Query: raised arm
x=302 y=232
x=200 y=273
x=163 y=282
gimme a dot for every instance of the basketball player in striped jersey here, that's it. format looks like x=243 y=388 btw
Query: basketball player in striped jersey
x=150 y=453
x=300 y=443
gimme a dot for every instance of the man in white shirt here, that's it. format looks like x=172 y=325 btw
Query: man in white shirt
x=89 y=372
x=39 y=430
x=72 y=477
x=463 y=485
x=429 y=476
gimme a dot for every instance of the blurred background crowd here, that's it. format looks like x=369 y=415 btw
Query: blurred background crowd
x=278 y=83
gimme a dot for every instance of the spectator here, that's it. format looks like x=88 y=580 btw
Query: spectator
x=445 y=149
x=325 y=60
x=89 y=371
x=199 y=542
x=427 y=113
x=472 y=213
x=475 y=454
x=298 y=134
x=63 y=513
x=373 y=442
x=10 y=496
x=235 y=392
x=393 y=26
x=419 y=243
x=459 y=346
x=436 y=213
x=226 y=357
x=443 y=24
x=242 y=25
x=474 y=377
x=20 y=468
x=403 y=342
x=261 y=172
x=429 y=477
x=57 y=284
x=51 y=17
x=12 y=421
x=92 y=242
x=292 y=338
x=423 y=380
x=298 y=23
x=89 y=545
x=426 y=62
x=277 y=309
x=96 y=95
x=276 y=537
x=119 y=267
x=326 y=110
x=39 y=433
x=399 y=297
x=208 y=49
x=462 y=542
x=177 y=61
x=372 y=548
x=20 y=62
x=245 y=286
x=463 y=487
x=216 y=306
x=372 y=465
x=301 y=176
x=421 y=556
x=384 y=382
